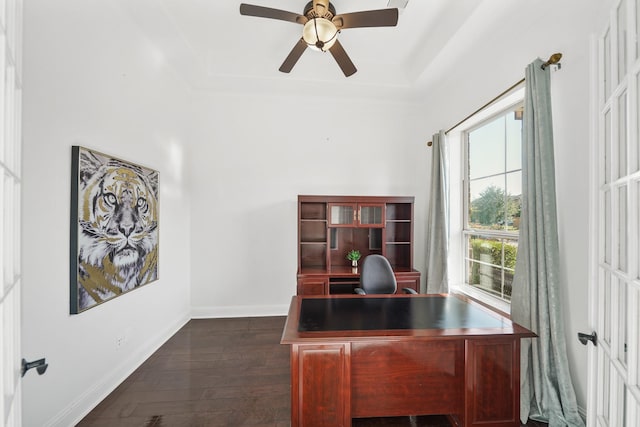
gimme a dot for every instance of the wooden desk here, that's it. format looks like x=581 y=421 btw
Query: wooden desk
x=392 y=355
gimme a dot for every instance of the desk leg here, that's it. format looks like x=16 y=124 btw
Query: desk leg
x=492 y=382
x=320 y=385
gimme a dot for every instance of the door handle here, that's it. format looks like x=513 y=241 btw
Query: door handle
x=39 y=364
x=584 y=338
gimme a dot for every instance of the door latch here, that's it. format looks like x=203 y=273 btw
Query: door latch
x=584 y=338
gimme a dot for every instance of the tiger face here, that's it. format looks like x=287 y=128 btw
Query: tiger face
x=118 y=229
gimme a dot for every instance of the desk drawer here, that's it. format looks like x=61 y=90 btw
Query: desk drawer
x=313 y=286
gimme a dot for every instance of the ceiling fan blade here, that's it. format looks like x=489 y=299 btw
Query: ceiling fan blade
x=267 y=12
x=293 y=57
x=367 y=18
x=342 y=59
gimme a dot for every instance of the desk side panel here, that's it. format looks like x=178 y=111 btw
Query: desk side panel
x=407 y=378
x=320 y=385
x=492 y=382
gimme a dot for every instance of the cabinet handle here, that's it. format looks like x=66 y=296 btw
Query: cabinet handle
x=356 y=214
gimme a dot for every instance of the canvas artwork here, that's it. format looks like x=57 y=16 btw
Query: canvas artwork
x=114 y=227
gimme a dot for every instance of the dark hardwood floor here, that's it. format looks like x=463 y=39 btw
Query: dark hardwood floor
x=217 y=372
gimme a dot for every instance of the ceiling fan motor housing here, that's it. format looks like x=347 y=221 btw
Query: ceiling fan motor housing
x=319 y=9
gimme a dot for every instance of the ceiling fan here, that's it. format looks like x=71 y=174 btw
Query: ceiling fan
x=321 y=28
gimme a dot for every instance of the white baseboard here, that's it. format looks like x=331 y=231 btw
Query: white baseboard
x=239 y=311
x=80 y=407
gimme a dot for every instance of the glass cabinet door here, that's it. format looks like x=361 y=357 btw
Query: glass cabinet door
x=342 y=215
x=371 y=215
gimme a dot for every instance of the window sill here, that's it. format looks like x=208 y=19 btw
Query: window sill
x=492 y=302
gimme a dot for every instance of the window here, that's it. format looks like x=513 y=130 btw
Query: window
x=492 y=201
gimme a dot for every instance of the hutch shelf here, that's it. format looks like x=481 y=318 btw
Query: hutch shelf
x=331 y=226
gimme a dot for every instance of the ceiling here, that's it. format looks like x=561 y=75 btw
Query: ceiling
x=213 y=47
x=209 y=41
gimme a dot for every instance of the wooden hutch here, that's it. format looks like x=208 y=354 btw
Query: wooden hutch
x=330 y=226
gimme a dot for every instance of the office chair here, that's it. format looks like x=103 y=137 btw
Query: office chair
x=377 y=277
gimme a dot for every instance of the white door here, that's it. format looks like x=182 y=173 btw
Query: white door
x=614 y=395
x=10 y=182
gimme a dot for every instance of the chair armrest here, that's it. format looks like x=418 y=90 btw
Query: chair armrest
x=359 y=291
x=409 y=291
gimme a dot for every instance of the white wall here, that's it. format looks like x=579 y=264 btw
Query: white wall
x=256 y=154
x=570 y=89
x=90 y=79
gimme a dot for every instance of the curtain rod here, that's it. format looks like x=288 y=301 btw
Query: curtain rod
x=553 y=59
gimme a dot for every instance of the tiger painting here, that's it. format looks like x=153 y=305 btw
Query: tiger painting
x=117 y=227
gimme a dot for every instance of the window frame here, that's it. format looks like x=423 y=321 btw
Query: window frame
x=459 y=258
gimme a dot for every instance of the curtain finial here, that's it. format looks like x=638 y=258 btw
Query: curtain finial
x=553 y=60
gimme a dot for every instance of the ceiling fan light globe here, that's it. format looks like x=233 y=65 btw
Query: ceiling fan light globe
x=327 y=34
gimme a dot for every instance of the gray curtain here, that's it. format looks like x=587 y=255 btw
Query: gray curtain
x=547 y=393
x=438 y=218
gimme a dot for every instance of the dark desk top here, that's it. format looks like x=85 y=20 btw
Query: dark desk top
x=355 y=316
x=347 y=314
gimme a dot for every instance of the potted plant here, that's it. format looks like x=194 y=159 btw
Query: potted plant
x=353 y=256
